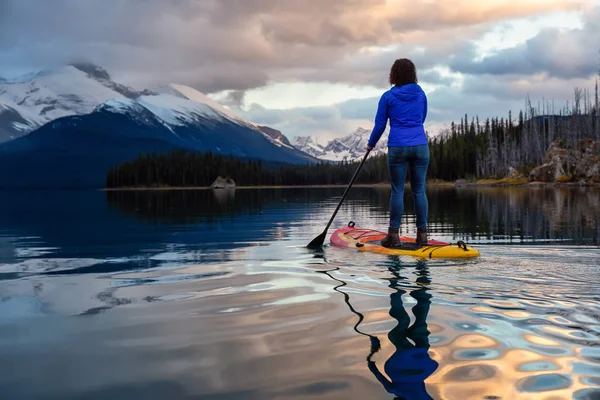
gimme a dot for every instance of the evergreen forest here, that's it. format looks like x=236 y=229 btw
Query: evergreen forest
x=469 y=149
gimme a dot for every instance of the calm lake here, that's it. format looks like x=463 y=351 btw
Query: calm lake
x=212 y=295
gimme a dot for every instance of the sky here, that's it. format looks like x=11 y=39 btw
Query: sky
x=319 y=68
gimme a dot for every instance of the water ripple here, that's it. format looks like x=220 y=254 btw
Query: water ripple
x=180 y=300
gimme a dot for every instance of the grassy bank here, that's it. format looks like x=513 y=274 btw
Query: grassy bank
x=525 y=182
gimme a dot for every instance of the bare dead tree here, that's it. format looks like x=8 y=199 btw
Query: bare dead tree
x=597 y=114
x=506 y=144
x=535 y=133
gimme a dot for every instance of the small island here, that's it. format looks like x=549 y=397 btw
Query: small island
x=223 y=183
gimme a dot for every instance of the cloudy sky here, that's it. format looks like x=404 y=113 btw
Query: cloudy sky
x=310 y=67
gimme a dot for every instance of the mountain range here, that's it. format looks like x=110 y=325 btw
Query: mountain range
x=348 y=148
x=65 y=128
x=30 y=101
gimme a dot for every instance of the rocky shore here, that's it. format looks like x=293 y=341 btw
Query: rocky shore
x=562 y=167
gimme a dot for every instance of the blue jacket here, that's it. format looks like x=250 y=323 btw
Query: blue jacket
x=406 y=108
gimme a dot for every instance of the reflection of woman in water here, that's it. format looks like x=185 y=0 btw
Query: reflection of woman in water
x=410 y=364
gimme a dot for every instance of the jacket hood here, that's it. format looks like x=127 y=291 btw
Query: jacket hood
x=407 y=92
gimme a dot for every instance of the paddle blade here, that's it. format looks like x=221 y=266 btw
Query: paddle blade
x=318 y=241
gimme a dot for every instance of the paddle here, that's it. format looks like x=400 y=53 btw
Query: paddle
x=318 y=241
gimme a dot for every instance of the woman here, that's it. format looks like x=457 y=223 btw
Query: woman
x=405 y=105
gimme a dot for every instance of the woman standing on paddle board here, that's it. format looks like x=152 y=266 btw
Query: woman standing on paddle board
x=405 y=105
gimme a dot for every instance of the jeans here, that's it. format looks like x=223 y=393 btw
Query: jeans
x=416 y=159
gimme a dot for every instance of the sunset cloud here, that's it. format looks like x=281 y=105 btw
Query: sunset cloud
x=236 y=48
x=562 y=53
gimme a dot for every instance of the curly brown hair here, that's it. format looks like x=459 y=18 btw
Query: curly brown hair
x=402 y=72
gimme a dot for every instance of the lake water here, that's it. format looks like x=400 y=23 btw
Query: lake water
x=212 y=295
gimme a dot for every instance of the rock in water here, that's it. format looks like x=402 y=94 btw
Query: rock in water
x=222 y=183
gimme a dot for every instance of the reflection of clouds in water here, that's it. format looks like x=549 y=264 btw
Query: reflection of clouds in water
x=500 y=370
x=517 y=346
x=65 y=295
x=14 y=307
x=24 y=252
x=41 y=265
x=499 y=332
x=22 y=247
x=282 y=326
x=256 y=320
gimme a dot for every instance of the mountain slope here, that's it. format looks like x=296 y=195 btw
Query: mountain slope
x=309 y=145
x=186 y=92
x=102 y=76
x=77 y=151
x=189 y=93
x=12 y=123
x=348 y=148
x=32 y=100
x=276 y=135
x=36 y=99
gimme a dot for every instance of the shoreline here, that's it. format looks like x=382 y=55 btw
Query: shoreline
x=131 y=188
x=481 y=183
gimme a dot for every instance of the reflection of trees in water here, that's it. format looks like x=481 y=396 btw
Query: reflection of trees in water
x=541 y=213
x=184 y=206
x=509 y=214
x=192 y=206
x=513 y=213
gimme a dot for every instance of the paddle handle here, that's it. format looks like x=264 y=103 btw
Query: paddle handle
x=347 y=190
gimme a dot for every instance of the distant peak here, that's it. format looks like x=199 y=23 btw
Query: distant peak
x=187 y=92
x=274 y=134
x=92 y=70
x=28 y=76
x=169 y=89
x=118 y=105
x=360 y=130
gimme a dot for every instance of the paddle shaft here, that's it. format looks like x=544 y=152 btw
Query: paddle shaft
x=346 y=192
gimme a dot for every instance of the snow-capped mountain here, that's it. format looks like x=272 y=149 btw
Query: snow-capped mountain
x=67 y=127
x=28 y=102
x=216 y=110
x=77 y=151
x=349 y=148
x=309 y=145
x=276 y=135
x=179 y=106
x=12 y=123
